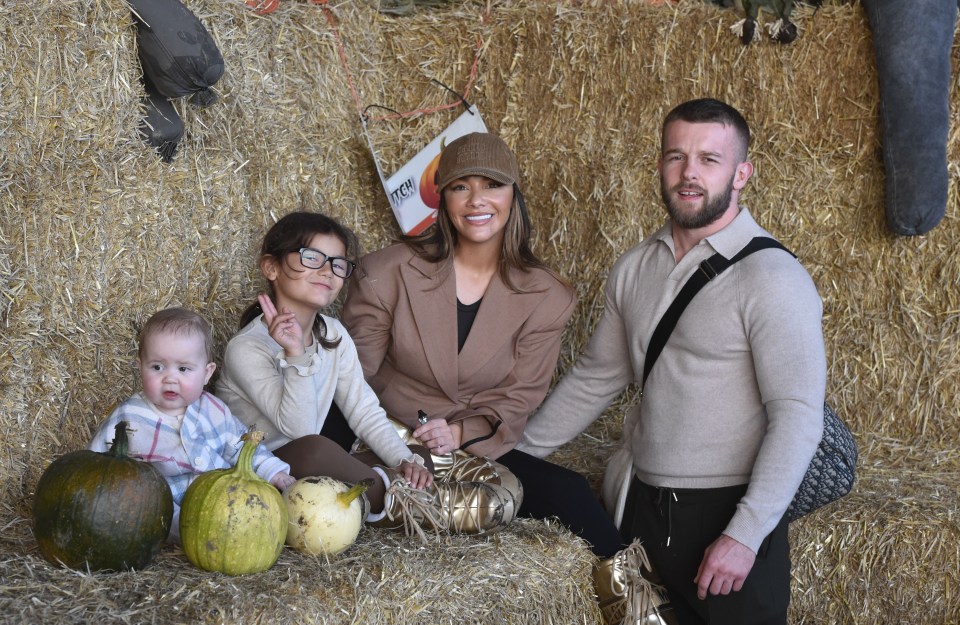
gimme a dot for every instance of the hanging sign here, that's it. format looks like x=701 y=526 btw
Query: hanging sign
x=412 y=190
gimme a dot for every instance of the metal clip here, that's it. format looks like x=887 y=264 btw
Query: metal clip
x=708 y=270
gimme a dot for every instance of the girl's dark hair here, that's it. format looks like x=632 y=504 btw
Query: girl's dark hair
x=436 y=243
x=292 y=232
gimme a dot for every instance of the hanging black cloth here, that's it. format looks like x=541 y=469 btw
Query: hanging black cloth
x=161 y=125
x=177 y=53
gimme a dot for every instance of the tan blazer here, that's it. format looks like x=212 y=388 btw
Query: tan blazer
x=402 y=314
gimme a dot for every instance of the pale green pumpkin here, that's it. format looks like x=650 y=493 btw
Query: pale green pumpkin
x=233 y=521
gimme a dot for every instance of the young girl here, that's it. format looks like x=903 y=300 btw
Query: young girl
x=293 y=372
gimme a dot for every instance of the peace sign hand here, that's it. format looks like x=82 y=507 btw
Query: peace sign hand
x=282 y=326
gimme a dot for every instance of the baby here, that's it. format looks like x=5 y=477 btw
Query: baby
x=174 y=424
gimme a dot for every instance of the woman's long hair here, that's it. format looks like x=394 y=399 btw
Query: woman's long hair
x=437 y=242
x=292 y=232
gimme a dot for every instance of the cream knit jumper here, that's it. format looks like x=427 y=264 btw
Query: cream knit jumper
x=288 y=399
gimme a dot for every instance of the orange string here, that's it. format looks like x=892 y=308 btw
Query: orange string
x=341 y=51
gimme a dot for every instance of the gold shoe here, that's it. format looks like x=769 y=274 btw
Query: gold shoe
x=469 y=468
x=454 y=507
x=475 y=507
x=410 y=508
x=460 y=466
x=625 y=594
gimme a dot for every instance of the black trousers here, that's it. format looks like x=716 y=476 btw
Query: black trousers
x=552 y=491
x=677 y=525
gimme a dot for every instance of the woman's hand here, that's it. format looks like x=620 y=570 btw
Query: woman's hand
x=283 y=327
x=439 y=436
x=416 y=475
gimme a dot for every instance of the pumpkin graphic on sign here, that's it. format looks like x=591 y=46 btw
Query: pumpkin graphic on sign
x=429 y=192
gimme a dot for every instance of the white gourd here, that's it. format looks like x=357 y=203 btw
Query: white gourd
x=325 y=514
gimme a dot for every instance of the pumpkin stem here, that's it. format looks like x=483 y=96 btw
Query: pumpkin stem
x=245 y=461
x=347 y=497
x=118 y=448
x=255 y=436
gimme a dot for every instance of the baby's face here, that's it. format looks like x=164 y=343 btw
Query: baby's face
x=174 y=369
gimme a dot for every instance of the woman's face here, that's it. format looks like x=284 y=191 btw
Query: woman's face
x=478 y=208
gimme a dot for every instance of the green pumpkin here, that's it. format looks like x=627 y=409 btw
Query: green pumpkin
x=102 y=510
x=233 y=521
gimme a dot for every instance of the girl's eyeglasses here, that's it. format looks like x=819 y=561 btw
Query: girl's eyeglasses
x=315 y=259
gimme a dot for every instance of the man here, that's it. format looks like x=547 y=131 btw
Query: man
x=732 y=410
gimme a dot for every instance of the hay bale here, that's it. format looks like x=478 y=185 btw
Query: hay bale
x=532 y=573
x=96 y=233
x=889 y=549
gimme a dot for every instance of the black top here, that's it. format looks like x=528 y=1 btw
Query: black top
x=466 y=314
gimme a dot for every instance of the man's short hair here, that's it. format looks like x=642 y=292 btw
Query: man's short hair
x=178 y=321
x=708 y=110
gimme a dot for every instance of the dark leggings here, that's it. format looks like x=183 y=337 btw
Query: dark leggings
x=328 y=453
x=550 y=490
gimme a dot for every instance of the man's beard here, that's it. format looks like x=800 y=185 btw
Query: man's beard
x=713 y=207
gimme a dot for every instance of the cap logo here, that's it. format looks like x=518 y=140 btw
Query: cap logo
x=468 y=154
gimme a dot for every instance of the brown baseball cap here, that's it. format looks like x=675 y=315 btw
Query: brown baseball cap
x=477 y=154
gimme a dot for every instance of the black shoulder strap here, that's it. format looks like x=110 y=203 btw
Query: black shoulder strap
x=709 y=269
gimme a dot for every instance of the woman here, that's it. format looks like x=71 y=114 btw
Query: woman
x=464 y=324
